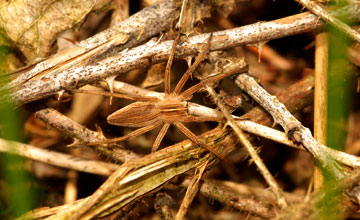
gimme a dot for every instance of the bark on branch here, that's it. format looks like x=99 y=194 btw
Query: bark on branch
x=154 y=52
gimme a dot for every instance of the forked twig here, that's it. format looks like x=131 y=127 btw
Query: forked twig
x=81 y=133
x=147 y=54
x=281 y=137
x=250 y=149
x=294 y=129
x=326 y=16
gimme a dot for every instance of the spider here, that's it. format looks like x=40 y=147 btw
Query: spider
x=148 y=114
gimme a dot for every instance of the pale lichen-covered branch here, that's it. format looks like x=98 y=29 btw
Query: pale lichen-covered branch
x=154 y=52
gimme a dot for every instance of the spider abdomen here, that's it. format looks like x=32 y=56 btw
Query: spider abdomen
x=137 y=114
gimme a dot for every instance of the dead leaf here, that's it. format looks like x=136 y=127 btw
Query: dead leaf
x=154 y=76
x=192 y=13
x=33 y=25
x=225 y=7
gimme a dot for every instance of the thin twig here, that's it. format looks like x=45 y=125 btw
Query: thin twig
x=257 y=192
x=281 y=137
x=327 y=17
x=57 y=159
x=75 y=130
x=294 y=129
x=250 y=149
x=154 y=52
x=302 y=90
x=191 y=191
x=214 y=190
x=80 y=133
x=121 y=12
x=151 y=20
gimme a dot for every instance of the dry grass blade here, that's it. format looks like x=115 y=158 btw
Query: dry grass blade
x=321 y=96
x=141 y=176
x=191 y=191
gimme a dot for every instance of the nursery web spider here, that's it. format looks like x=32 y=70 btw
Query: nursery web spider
x=151 y=113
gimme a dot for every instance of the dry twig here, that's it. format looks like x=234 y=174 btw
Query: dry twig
x=144 y=174
x=327 y=17
x=302 y=90
x=250 y=149
x=299 y=91
x=151 y=20
x=153 y=52
x=138 y=177
x=80 y=133
x=57 y=159
x=294 y=129
x=191 y=191
x=240 y=201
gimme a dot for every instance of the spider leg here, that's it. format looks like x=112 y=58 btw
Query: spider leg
x=233 y=69
x=196 y=140
x=135 y=133
x=191 y=69
x=160 y=136
x=168 y=66
x=103 y=93
x=114 y=95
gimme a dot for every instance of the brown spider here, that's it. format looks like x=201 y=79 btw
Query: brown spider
x=151 y=113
